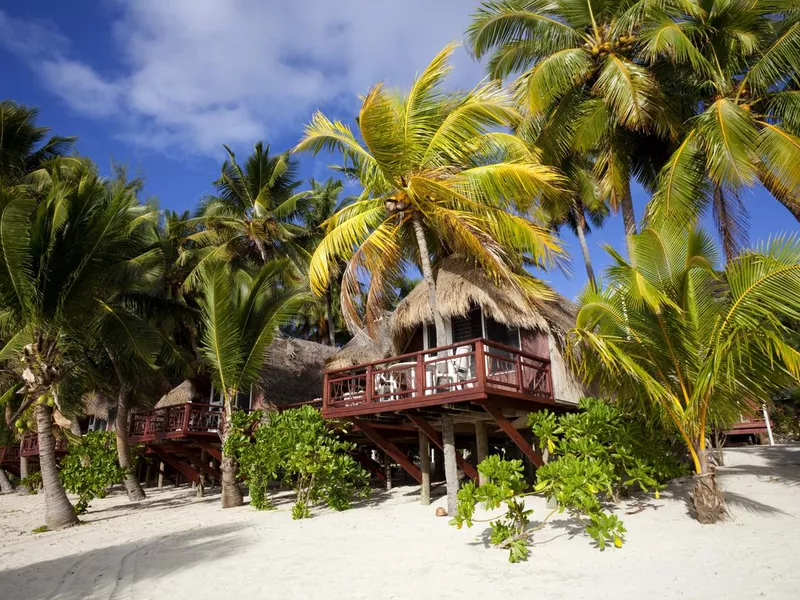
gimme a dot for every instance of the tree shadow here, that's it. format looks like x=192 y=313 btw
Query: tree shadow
x=752 y=506
x=115 y=572
x=782 y=464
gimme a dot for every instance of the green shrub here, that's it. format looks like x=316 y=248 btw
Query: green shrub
x=298 y=448
x=90 y=468
x=33 y=482
x=594 y=456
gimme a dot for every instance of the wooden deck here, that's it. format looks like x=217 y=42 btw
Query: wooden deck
x=477 y=370
x=183 y=421
x=29 y=445
x=9 y=458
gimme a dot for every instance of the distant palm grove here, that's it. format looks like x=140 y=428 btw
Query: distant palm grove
x=696 y=101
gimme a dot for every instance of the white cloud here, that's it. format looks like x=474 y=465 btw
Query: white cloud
x=197 y=73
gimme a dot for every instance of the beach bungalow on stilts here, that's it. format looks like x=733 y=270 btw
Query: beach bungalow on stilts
x=406 y=391
x=181 y=433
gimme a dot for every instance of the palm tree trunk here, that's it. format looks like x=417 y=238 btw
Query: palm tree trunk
x=628 y=216
x=450 y=466
x=430 y=283
x=58 y=510
x=329 y=316
x=5 y=482
x=24 y=471
x=132 y=485
x=231 y=492
x=708 y=500
x=580 y=229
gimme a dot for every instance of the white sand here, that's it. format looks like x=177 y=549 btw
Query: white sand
x=175 y=546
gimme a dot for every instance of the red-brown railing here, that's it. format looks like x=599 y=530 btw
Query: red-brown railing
x=181 y=418
x=29 y=445
x=464 y=368
x=9 y=454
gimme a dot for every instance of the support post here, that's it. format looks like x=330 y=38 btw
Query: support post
x=388 y=447
x=387 y=471
x=450 y=465
x=161 y=474
x=481 y=448
x=435 y=437
x=425 y=468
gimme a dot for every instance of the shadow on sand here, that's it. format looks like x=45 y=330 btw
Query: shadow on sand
x=123 y=570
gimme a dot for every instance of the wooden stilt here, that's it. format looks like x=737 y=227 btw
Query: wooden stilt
x=388 y=447
x=161 y=468
x=450 y=465
x=436 y=438
x=148 y=475
x=515 y=435
x=481 y=447
x=425 y=468
x=387 y=471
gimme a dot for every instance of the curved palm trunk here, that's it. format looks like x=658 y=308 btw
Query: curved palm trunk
x=132 y=485
x=580 y=229
x=329 y=317
x=450 y=466
x=708 y=500
x=58 y=510
x=5 y=482
x=231 y=492
x=24 y=471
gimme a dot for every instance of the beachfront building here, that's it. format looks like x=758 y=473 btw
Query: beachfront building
x=503 y=358
x=181 y=432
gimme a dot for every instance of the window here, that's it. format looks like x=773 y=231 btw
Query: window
x=497 y=332
x=96 y=424
x=467 y=327
x=242 y=401
x=431 y=332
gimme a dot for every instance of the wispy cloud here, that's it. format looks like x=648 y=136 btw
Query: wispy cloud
x=197 y=73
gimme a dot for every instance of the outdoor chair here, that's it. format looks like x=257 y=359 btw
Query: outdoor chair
x=456 y=369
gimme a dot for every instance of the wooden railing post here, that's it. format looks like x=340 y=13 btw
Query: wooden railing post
x=370 y=384
x=480 y=364
x=326 y=392
x=187 y=412
x=518 y=368
x=147 y=419
x=421 y=381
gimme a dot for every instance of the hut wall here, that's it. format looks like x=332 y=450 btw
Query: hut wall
x=535 y=342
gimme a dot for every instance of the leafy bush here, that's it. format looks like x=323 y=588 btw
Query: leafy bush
x=33 y=482
x=90 y=468
x=594 y=456
x=298 y=448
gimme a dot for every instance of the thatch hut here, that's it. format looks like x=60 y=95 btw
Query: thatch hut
x=292 y=374
x=365 y=346
x=474 y=306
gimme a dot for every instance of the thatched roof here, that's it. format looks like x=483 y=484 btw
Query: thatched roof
x=364 y=348
x=185 y=392
x=97 y=405
x=293 y=371
x=461 y=286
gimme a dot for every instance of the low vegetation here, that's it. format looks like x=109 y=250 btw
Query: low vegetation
x=299 y=449
x=90 y=468
x=594 y=458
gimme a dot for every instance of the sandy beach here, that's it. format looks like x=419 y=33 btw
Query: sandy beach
x=175 y=545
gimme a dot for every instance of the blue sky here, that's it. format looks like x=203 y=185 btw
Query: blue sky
x=161 y=84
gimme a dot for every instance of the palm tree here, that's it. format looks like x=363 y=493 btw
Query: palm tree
x=323 y=203
x=690 y=343
x=582 y=62
x=439 y=176
x=22 y=145
x=241 y=314
x=741 y=62
x=253 y=214
x=72 y=243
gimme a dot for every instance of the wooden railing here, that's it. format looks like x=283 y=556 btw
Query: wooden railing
x=9 y=454
x=467 y=368
x=179 y=419
x=29 y=445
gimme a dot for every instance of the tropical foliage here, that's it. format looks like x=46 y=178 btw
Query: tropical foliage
x=688 y=342
x=90 y=468
x=299 y=448
x=241 y=313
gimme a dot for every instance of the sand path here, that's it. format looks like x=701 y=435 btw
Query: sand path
x=176 y=546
